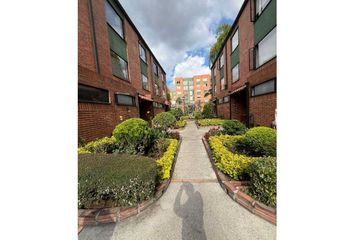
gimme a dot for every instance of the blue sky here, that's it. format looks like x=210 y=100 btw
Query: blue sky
x=180 y=33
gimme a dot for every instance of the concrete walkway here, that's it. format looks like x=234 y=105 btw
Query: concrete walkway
x=193 y=207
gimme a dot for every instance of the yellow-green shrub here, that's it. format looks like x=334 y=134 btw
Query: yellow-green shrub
x=166 y=161
x=210 y=122
x=102 y=145
x=234 y=165
x=181 y=123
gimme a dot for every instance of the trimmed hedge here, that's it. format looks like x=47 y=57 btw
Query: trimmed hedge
x=115 y=180
x=165 y=163
x=260 y=141
x=134 y=136
x=233 y=127
x=181 y=123
x=234 y=165
x=102 y=145
x=263 y=184
x=210 y=122
x=164 y=121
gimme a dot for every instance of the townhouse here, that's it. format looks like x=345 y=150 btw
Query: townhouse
x=244 y=71
x=191 y=92
x=118 y=75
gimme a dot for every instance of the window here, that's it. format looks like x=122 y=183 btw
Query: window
x=222 y=83
x=178 y=87
x=205 y=82
x=178 y=83
x=266 y=49
x=185 y=87
x=185 y=83
x=157 y=105
x=145 y=82
x=235 y=73
x=156 y=87
x=191 y=98
x=260 y=6
x=220 y=101
x=234 y=41
x=92 y=94
x=222 y=60
x=155 y=68
x=126 y=100
x=199 y=93
x=119 y=66
x=114 y=20
x=263 y=88
x=226 y=99
x=142 y=53
x=190 y=92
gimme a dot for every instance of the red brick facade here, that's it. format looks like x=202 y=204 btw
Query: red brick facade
x=258 y=110
x=95 y=69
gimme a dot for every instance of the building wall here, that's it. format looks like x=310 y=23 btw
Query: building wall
x=98 y=120
x=223 y=110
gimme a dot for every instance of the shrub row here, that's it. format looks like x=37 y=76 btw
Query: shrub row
x=263 y=180
x=210 y=122
x=102 y=145
x=165 y=162
x=184 y=118
x=233 y=127
x=115 y=180
x=234 y=165
x=181 y=123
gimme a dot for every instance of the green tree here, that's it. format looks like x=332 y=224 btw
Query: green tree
x=221 y=33
x=168 y=96
x=179 y=101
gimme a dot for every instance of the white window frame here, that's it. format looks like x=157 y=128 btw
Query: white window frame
x=238 y=72
x=272 y=35
x=234 y=45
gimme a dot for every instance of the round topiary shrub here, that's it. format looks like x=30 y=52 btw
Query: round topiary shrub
x=134 y=136
x=260 y=141
x=164 y=121
x=263 y=184
x=233 y=127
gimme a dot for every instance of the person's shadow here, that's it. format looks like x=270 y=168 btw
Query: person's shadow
x=191 y=213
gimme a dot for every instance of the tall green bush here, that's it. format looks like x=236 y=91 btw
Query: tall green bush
x=263 y=180
x=208 y=110
x=177 y=112
x=163 y=121
x=133 y=136
x=260 y=141
x=233 y=127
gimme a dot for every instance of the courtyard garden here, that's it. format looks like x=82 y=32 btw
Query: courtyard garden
x=129 y=167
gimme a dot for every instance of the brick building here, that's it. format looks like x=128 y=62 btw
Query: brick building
x=191 y=91
x=244 y=71
x=118 y=75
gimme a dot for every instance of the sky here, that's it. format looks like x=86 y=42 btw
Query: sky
x=180 y=33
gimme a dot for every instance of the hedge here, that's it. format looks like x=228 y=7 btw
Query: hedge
x=260 y=141
x=166 y=161
x=102 y=145
x=234 y=165
x=210 y=122
x=184 y=118
x=263 y=184
x=164 y=121
x=233 y=127
x=115 y=180
x=181 y=123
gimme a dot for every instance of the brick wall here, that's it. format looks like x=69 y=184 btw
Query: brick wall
x=223 y=110
x=263 y=109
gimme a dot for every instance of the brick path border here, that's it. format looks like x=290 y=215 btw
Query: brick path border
x=234 y=190
x=117 y=214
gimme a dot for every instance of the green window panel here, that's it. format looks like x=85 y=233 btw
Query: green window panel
x=156 y=79
x=117 y=44
x=117 y=9
x=266 y=22
x=235 y=57
x=221 y=72
x=143 y=67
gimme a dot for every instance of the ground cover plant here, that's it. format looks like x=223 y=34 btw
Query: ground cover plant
x=107 y=180
x=210 y=122
x=181 y=124
x=166 y=161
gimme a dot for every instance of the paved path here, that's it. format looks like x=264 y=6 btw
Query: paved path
x=192 y=210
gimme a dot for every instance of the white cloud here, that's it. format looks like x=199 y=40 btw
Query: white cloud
x=192 y=65
x=171 y=28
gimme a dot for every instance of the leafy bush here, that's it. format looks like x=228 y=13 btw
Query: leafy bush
x=164 y=121
x=177 y=112
x=234 y=165
x=212 y=132
x=208 y=110
x=181 y=123
x=184 y=118
x=260 y=141
x=102 y=145
x=133 y=136
x=197 y=115
x=263 y=183
x=165 y=163
x=210 y=122
x=115 y=180
x=174 y=135
x=233 y=127
x=82 y=150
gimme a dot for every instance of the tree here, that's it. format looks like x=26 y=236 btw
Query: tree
x=221 y=33
x=168 y=96
x=179 y=101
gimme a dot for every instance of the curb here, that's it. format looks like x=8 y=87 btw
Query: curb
x=116 y=214
x=234 y=190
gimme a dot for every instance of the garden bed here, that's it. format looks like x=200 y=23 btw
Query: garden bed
x=230 y=169
x=108 y=212
x=209 y=122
